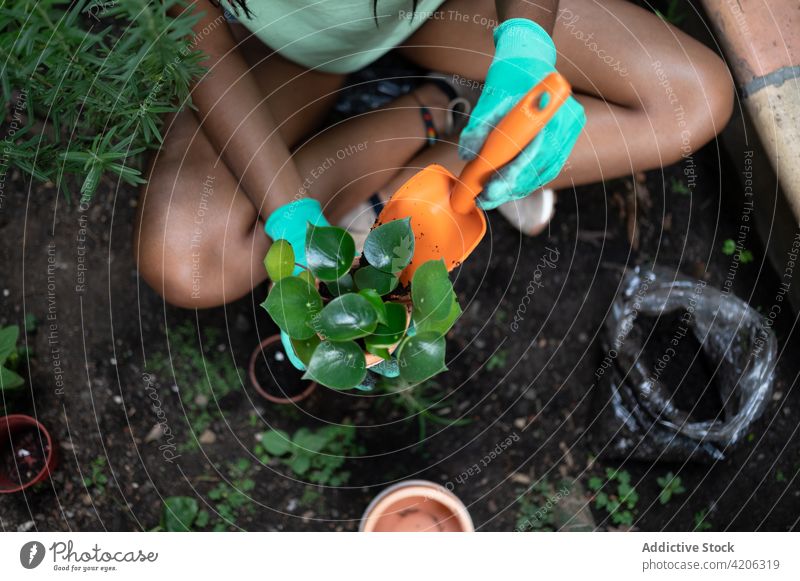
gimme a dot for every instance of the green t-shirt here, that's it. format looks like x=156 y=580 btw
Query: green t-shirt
x=335 y=36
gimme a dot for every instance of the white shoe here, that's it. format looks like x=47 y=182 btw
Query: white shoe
x=532 y=214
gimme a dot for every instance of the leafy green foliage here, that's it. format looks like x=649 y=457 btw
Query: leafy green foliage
x=357 y=320
x=181 y=514
x=675 y=14
x=9 y=358
x=280 y=260
x=313 y=455
x=615 y=495
x=670 y=486
x=87 y=88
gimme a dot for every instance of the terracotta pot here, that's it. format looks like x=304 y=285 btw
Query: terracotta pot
x=416 y=506
x=269 y=343
x=12 y=429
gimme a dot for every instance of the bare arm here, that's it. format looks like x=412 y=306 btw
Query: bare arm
x=235 y=117
x=542 y=12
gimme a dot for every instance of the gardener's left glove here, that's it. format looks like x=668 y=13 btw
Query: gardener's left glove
x=524 y=55
x=289 y=222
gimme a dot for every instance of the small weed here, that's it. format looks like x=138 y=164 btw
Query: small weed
x=497 y=361
x=231 y=500
x=202 y=374
x=96 y=479
x=10 y=357
x=670 y=486
x=678 y=187
x=182 y=514
x=729 y=249
x=700 y=522
x=316 y=455
x=534 y=513
x=620 y=500
x=780 y=476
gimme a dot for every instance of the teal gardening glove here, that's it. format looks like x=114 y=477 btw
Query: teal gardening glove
x=289 y=222
x=524 y=55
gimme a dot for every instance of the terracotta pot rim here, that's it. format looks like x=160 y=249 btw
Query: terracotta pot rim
x=438 y=493
x=257 y=385
x=49 y=461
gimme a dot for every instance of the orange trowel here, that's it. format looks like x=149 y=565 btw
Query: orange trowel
x=447 y=223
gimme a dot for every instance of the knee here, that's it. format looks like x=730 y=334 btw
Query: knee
x=699 y=103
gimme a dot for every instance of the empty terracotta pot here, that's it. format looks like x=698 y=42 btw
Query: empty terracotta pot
x=416 y=506
x=280 y=394
x=27 y=455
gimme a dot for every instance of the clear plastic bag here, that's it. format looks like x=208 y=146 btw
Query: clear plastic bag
x=638 y=417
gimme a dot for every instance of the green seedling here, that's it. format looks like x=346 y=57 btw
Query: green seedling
x=729 y=249
x=534 y=513
x=357 y=310
x=231 y=500
x=615 y=496
x=96 y=478
x=676 y=13
x=317 y=456
x=182 y=514
x=678 y=187
x=700 y=521
x=498 y=360
x=670 y=486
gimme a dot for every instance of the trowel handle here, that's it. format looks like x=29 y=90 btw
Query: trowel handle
x=508 y=138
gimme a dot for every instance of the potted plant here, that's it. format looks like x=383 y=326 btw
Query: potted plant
x=26 y=453
x=344 y=316
x=416 y=506
x=268 y=363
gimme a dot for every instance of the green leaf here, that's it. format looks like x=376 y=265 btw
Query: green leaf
x=293 y=304
x=279 y=260
x=444 y=325
x=595 y=483
x=307 y=277
x=387 y=335
x=421 y=357
x=375 y=300
x=304 y=348
x=431 y=292
x=337 y=365
x=341 y=286
x=370 y=277
x=179 y=514
x=381 y=352
x=728 y=247
x=276 y=442
x=329 y=251
x=9 y=379
x=347 y=317
x=300 y=464
x=308 y=441
x=389 y=247
x=8 y=341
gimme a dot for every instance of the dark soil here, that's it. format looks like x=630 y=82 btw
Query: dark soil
x=24 y=456
x=98 y=392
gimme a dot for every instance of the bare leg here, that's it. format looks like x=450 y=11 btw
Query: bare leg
x=199 y=241
x=609 y=52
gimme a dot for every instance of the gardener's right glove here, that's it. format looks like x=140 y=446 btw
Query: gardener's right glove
x=524 y=56
x=290 y=222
